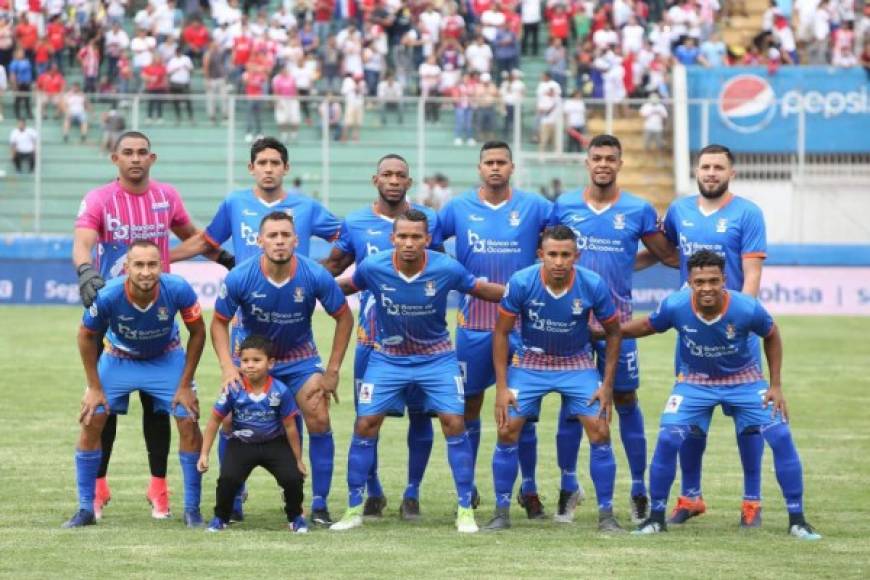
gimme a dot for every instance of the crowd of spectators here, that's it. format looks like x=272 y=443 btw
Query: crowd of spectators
x=465 y=57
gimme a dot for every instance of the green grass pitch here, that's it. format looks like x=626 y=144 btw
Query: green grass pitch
x=825 y=379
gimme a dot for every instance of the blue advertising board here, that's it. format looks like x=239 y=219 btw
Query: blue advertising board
x=752 y=111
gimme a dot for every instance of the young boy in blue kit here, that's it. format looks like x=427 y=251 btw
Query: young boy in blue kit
x=263 y=434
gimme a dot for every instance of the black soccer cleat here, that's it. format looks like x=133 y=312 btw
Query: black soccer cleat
x=321 y=518
x=531 y=502
x=374 y=507
x=410 y=509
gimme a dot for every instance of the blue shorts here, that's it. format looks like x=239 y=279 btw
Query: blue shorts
x=694 y=404
x=388 y=383
x=295 y=374
x=158 y=376
x=627 y=377
x=415 y=400
x=474 y=352
x=576 y=387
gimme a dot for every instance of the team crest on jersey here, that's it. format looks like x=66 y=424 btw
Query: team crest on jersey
x=274 y=399
x=721 y=226
x=430 y=289
x=514 y=218
x=577 y=306
x=366 y=390
x=163 y=314
x=298 y=294
x=160 y=206
x=730 y=332
x=222 y=293
x=619 y=221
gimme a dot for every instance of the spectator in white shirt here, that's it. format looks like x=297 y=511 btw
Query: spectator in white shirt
x=479 y=56
x=632 y=36
x=817 y=52
x=530 y=12
x=22 y=145
x=654 y=114
x=354 y=90
x=390 y=92
x=75 y=111
x=575 y=121
x=179 y=69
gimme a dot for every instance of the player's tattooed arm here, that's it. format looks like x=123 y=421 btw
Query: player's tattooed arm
x=337 y=261
x=220 y=340
x=489 y=291
x=773 y=353
x=504 y=398
x=89 y=348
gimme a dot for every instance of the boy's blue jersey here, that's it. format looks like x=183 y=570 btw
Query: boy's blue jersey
x=714 y=352
x=410 y=312
x=554 y=328
x=607 y=239
x=282 y=311
x=239 y=214
x=365 y=233
x=734 y=231
x=493 y=242
x=142 y=333
x=257 y=418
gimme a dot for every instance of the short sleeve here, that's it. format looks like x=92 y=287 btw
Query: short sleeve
x=360 y=275
x=324 y=224
x=436 y=232
x=603 y=307
x=180 y=217
x=514 y=295
x=220 y=228
x=288 y=406
x=228 y=298
x=224 y=405
x=344 y=243
x=463 y=280
x=329 y=294
x=96 y=317
x=670 y=227
x=648 y=220
x=762 y=321
x=90 y=214
x=662 y=318
x=754 y=239
x=187 y=302
x=447 y=221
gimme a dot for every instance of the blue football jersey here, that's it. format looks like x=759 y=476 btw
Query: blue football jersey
x=410 y=312
x=280 y=311
x=493 y=242
x=257 y=417
x=142 y=333
x=734 y=231
x=717 y=351
x=365 y=233
x=239 y=214
x=554 y=328
x=608 y=238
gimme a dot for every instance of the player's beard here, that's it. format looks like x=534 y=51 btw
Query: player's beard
x=393 y=204
x=280 y=261
x=714 y=193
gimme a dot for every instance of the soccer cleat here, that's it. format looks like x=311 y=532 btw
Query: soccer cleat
x=216 y=525
x=352 y=518
x=686 y=509
x=84 y=518
x=804 y=531
x=607 y=523
x=374 y=507
x=193 y=519
x=410 y=509
x=465 y=523
x=298 y=526
x=531 y=502
x=158 y=497
x=475 y=498
x=750 y=514
x=102 y=497
x=650 y=526
x=639 y=509
x=321 y=517
x=568 y=501
x=500 y=521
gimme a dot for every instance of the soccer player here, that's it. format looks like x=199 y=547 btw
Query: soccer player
x=553 y=301
x=609 y=224
x=111 y=217
x=238 y=219
x=497 y=229
x=412 y=349
x=364 y=233
x=135 y=314
x=718 y=367
x=263 y=434
x=733 y=227
x=275 y=295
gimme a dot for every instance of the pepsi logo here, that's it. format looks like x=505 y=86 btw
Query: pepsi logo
x=747 y=103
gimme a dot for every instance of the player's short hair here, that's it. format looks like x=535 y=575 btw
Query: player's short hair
x=704 y=259
x=257 y=342
x=132 y=135
x=143 y=244
x=269 y=143
x=413 y=215
x=715 y=148
x=392 y=156
x=278 y=216
x=490 y=145
x=559 y=233
x=605 y=140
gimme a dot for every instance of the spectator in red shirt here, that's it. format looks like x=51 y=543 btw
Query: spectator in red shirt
x=254 y=81
x=559 y=23
x=196 y=39
x=242 y=47
x=51 y=84
x=42 y=57
x=89 y=58
x=26 y=36
x=156 y=83
x=55 y=31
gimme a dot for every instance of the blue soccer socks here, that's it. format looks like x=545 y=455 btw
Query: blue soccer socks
x=528 y=455
x=602 y=469
x=420 y=438
x=663 y=469
x=459 y=457
x=568 y=437
x=787 y=464
x=360 y=457
x=87 y=465
x=750 y=443
x=505 y=465
x=192 y=479
x=691 y=460
x=634 y=442
x=321 y=454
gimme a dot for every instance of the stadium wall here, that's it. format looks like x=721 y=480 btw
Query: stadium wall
x=798 y=278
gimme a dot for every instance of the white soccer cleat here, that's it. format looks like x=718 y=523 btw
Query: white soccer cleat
x=804 y=532
x=465 y=523
x=650 y=526
x=352 y=518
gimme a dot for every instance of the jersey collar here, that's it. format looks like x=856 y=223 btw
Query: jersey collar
x=725 y=304
x=249 y=389
x=129 y=294
x=387 y=218
x=588 y=201
x=409 y=279
x=564 y=290
x=495 y=205
x=728 y=199
x=269 y=204
x=293 y=264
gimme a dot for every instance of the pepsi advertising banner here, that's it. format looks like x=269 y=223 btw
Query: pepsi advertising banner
x=754 y=112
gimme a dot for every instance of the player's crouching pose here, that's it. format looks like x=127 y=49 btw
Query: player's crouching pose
x=553 y=301
x=410 y=286
x=263 y=434
x=718 y=367
x=136 y=313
